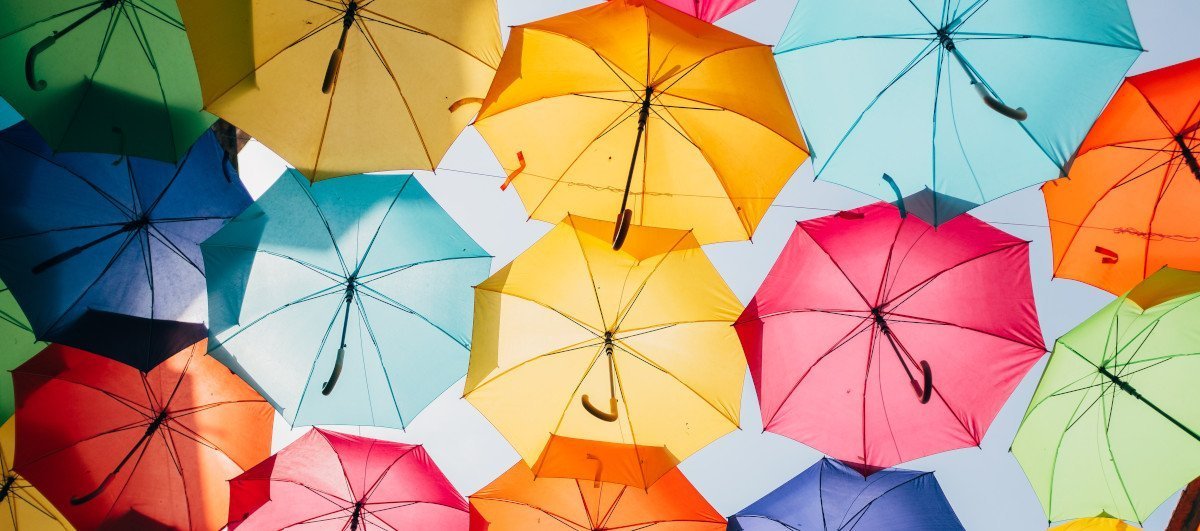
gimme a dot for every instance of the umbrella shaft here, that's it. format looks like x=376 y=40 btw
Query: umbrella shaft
x=153 y=427
x=1188 y=156
x=1124 y=386
x=643 y=116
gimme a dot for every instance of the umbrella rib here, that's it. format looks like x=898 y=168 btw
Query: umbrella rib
x=103 y=194
x=1107 y=418
x=867 y=506
x=154 y=11
x=882 y=402
x=317 y=356
x=170 y=245
x=837 y=265
x=909 y=293
x=325 y=222
x=591 y=342
x=370 y=490
x=111 y=431
x=49 y=18
x=571 y=397
x=854 y=332
x=170 y=182
x=937 y=391
x=889 y=36
x=144 y=40
x=971 y=35
x=409 y=27
x=173 y=452
x=315 y=268
x=642 y=358
x=63 y=229
x=370 y=38
x=128 y=479
x=883 y=289
x=726 y=109
x=1168 y=179
x=104 y=271
x=591 y=277
x=369 y=292
x=926 y=320
x=324 y=292
x=962 y=149
x=382 y=220
x=383 y=273
x=781 y=523
x=578 y=322
x=623 y=314
x=362 y=312
x=560 y=519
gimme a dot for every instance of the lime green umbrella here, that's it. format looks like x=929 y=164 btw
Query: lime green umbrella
x=104 y=76
x=1113 y=425
x=17 y=345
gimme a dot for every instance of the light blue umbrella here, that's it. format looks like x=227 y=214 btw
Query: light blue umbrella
x=956 y=102
x=348 y=301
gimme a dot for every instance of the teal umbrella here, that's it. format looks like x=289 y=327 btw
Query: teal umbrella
x=951 y=104
x=348 y=301
x=8 y=115
x=17 y=345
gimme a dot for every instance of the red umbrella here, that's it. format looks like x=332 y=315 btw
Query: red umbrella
x=115 y=448
x=333 y=481
x=878 y=339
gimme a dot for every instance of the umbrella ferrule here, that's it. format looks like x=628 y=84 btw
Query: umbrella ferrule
x=945 y=40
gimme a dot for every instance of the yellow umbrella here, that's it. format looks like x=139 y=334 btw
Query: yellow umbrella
x=340 y=87
x=23 y=508
x=1099 y=523
x=636 y=109
x=575 y=342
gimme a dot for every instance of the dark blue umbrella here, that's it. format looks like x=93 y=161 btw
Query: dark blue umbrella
x=833 y=496
x=102 y=253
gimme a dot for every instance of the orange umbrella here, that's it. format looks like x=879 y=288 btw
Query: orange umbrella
x=514 y=501
x=1126 y=209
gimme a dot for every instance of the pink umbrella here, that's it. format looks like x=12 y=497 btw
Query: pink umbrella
x=707 y=10
x=333 y=481
x=878 y=339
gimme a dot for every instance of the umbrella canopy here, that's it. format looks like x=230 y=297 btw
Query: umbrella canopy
x=333 y=481
x=115 y=448
x=25 y=506
x=341 y=87
x=17 y=344
x=1113 y=425
x=888 y=306
x=365 y=281
x=707 y=10
x=1126 y=209
x=515 y=502
x=576 y=342
x=108 y=76
x=1099 y=523
x=832 y=496
x=8 y=115
x=105 y=257
x=908 y=119
x=632 y=109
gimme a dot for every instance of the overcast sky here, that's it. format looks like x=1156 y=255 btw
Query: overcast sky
x=985 y=486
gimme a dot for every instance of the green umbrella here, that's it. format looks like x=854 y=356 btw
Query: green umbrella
x=17 y=345
x=107 y=76
x=1113 y=425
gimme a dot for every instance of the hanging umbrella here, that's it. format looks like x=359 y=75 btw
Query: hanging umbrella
x=1126 y=209
x=707 y=10
x=333 y=481
x=1113 y=424
x=1099 y=523
x=112 y=447
x=576 y=342
x=956 y=102
x=634 y=110
x=109 y=76
x=886 y=306
x=831 y=495
x=343 y=87
x=25 y=507
x=104 y=256
x=344 y=302
x=515 y=502
x=17 y=344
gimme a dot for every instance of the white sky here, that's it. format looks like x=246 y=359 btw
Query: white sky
x=985 y=486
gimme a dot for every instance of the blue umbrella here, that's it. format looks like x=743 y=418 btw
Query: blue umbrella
x=348 y=301
x=833 y=496
x=956 y=103
x=102 y=252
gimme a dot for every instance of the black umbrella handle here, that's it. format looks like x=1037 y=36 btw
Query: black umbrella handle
x=625 y=214
x=327 y=387
x=31 y=77
x=989 y=99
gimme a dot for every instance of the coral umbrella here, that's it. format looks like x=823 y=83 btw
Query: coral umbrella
x=1098 y=523
x=1113 y=425
x=576 y=342
x=832 y=496
x=339 y=87
x=1127 y=207
x=346 y=301
x=17 y=344
x=707 y=10
x=516 y=502
x=25 y=507
x=887 y=305
x=104 y=255
x=635 y=110
x=115 y=448
x=109 y=76
x=958 y=102
x=333 y=481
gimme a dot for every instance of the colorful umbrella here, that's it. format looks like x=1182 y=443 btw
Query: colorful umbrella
x=25 y=506
x=575 y=342
x=333 y=481
x=707 y=10
x=364 y=281
x=1099 y=523
x=1127 y=208
x=115 y=448
x=1113 y=424
x=831 y=495
x=632 y=109
x=109 y=76
x=515 y=502
x=907 y=118
x=17 y=344
x=340 y=87
x=888 y=306
x=102 y=255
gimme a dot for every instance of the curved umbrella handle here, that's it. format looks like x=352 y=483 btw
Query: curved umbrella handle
x=327 y=387
x=599 y=470
x=80 y=500
x=609 y=416
x=1017 y=114
x=30 y=60
x=622 y=229
x=924 y=391
x=899 y=196
x=331 y=72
